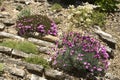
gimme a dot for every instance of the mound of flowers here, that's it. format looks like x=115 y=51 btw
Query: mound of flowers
x=36 y=23
x=80 y=53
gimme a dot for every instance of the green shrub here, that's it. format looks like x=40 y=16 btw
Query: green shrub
x=24 y=13
x=107 y=5
x=28 y=25
x=80 y=54
x=38 y=60
x=1 y=68
x=85 y=16
x=98 y=18
x=24 y=46
x=56 y=7
x=1 y=2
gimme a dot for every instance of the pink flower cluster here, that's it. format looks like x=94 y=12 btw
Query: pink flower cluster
x=80 y=52
x=31 y=24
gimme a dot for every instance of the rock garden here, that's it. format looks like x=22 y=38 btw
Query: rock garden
x=59 y=39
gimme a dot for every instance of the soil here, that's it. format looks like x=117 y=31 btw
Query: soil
x=113 y=28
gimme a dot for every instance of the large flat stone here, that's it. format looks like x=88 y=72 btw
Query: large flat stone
x=36 y=77
x=19 y=53
x=105 y=37
x=2 y=26
x=17 y=72
x=5 y=49
x=9 y=22
x=34 y=68
x=41 y=42
x=9 y=35
x=54 y=74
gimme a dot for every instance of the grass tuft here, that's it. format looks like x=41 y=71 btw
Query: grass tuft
x=24 y=46
x=38 y=60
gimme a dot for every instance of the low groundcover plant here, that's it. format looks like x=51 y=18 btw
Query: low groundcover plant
x=36 y=23
x=80 y=53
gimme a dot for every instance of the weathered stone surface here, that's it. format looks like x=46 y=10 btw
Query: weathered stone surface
x=110 y=52
x=8 y=35
x=24 y=1
x=2 y=78
x=50 y=38
x=36 y=77
x=34 y=68
x=4 y=14
x=43 y=49
x=107 y=38
x=19 y=53
x=111 y=77
x=41 y=42
x=2 y=26
x=54 y=74
x=9 y=22
x=17 y=72
x=5 y=49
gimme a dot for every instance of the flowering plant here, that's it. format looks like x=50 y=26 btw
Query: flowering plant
x=36 y=23
x=80 y=52
x=85 y=16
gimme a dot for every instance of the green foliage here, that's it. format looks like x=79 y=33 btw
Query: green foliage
x=56 y=7
x=107 y=5
x=19 y=8
x=98 y=18
x=80 y=52
x=9 y=43
x=1 y=2
x=104 y=5
x=24 y=46
x=38 y=60
x=57 y=20
x=1 y=68
x=24 y=13
x=86 y=16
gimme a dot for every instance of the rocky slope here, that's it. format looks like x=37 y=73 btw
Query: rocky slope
x=16 y=69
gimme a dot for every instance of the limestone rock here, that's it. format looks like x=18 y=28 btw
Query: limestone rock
x=107 y=38
x=4 y=14
x=50 y=38
x=24 y=1
x=17 y=72
x=41 y=42
x=2 y=26
x=43 y=49
x=19 y=53
x=36 y=77
x=110 y=52
x=5 y=49
x=8 y=35
x=54 y=74
x=9 y=22
x=34 y=68
x=2 y=78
